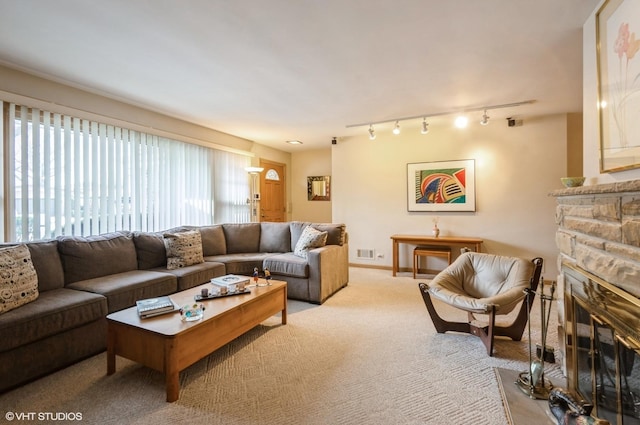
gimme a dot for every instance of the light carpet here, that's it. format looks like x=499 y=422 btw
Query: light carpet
x=369 y=355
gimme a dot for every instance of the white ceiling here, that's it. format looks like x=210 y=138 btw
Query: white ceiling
x=276 y=70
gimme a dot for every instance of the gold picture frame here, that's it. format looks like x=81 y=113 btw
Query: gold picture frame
x=618 y=67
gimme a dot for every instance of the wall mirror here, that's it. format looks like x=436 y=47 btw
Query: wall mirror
x=319 y=188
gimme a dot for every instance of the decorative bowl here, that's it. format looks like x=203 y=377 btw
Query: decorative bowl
x=192 y=312
x=572 y=181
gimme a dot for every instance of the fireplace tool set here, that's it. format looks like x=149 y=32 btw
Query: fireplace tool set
x=532 y=382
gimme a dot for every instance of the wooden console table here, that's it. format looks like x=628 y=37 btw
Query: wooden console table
x=431 y=240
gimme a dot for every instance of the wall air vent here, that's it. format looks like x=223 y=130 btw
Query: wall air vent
x=365 y=254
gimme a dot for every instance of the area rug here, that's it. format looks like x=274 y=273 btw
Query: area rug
x=369 y=355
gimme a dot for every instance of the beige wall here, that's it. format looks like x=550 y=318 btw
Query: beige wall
x=590 y=112
x=516 y=168
x=304 y=164
x=574 y=145
x=19 y=87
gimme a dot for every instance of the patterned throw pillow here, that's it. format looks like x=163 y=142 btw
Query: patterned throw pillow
x=18 y=278
x=310 y=238
x=183 y=249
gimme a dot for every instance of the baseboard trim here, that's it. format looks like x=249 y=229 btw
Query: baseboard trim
x=369 y=266
x=401 y=270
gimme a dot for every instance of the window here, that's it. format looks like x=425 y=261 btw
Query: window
x=272 y=174
x=72 y=176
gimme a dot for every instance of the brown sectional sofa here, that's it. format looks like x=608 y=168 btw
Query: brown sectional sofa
x=82 y=279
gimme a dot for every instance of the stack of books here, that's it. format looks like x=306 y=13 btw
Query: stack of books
x=154 y=306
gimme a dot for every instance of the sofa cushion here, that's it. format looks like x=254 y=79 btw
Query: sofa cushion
x=54 y=312
x=150 y=250
x=183 y=249
x=18 y=278
x=287 y=264
x=275 y=237
x=242 y=264
x=242 y=237
x=46 y=261
x=195 y=275
x=296 y=228
x=310 y=238
x=95 y=256
x=124 y=289
x=213 y=241
x=336 y=233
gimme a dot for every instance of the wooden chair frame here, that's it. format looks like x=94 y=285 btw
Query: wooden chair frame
x=514 y=330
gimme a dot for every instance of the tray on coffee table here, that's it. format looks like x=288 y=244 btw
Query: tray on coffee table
x=199 y=297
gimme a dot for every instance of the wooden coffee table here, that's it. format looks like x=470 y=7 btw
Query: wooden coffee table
x=169 y=345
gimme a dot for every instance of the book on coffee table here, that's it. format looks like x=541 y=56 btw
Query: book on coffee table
x=230 y=279
x=154 y=306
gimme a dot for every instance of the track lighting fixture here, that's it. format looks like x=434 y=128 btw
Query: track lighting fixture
x=461 y=121
x=425 y=126
x=396 y=129
x=485 y=118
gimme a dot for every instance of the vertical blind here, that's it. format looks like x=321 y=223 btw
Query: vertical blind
x=72 y=176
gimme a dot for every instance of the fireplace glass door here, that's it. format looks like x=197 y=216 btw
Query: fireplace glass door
x=604 y=362
x=584 y=361
x=629 y=361
x=607 y=369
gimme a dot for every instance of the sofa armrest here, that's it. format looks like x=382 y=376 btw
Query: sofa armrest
x=328 y=271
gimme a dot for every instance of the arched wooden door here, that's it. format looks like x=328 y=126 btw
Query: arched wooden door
x=272 y=190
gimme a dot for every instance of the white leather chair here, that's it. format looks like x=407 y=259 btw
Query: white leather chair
x=484 y=284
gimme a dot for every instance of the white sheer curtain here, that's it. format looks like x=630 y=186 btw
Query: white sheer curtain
x=231 y=188
x=72 y=176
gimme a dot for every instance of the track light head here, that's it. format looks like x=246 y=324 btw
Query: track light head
x=425 y=126
x=396 y=129
x=485 y=118
x=372 y=132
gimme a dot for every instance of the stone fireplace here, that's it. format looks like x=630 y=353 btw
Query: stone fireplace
x=599 y=296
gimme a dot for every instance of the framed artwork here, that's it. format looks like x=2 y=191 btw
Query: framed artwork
x=441 y=186
x=618 y=45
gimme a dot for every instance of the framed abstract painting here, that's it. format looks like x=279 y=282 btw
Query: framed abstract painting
x=441 y=186
x=618 y=46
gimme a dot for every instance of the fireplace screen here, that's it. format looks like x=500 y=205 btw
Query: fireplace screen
x=606 y=355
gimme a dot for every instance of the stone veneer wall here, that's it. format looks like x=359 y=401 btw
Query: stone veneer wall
x=599 y=231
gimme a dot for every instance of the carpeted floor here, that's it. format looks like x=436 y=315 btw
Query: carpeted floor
x=369 y=355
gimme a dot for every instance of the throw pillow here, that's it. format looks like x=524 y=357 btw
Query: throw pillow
x=183 y=249
x=18 y=278
x=310 y=238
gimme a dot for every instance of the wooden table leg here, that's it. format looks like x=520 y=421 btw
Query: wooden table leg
x=284 y=310
x=173 y=386
x=111 y=351
x=394 y=267
x=171 y=372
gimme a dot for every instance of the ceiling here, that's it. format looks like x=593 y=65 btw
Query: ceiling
x=271 y=71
